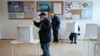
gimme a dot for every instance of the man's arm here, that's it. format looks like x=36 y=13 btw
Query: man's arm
x=37 y=24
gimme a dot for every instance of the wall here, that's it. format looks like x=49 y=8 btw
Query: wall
x=9 y=26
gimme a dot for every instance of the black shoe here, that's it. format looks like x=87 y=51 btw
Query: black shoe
x=75 y=42
x=56 y=41
x=71 y=42
x=42 y=55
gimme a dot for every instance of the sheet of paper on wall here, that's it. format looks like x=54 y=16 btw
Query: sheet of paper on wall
x=68 y=15
x=87 y=14
x=29 y=9
x=57 y=8
x=76 y=17
x=20 y=15
x=12 y=15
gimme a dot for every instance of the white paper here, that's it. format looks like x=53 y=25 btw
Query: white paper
x=57 y=8
x=68 y=15
x=76 y=17
x=20 y=15
x=29 y=9
x=12 y=15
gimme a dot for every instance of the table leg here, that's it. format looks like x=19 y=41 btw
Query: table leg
x=94 y=49
x=38 y=50
x=18 y=50
x=12 y=50
x=35 y=50
x=88 y=47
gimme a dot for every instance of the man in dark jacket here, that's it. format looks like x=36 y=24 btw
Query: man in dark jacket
x=55 y=27
x=44 y=33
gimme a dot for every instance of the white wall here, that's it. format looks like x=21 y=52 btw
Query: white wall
x=9 y=26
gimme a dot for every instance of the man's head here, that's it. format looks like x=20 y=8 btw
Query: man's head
x=42 y=15
x=52 y=14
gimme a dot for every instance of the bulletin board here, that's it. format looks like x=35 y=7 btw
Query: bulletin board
x=21 y=10
x=77 y=10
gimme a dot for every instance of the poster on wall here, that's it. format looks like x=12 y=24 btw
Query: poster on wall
x=76 y=17
x=87 y=14
x=20 y=15
x=16 y=15
x=29 y=9
x=68 y=15
x=12 y=15
x=15 y=6
x=56 y=6
x=44 y=6
x=86 y=5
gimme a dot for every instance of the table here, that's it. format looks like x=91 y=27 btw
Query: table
x=16 y=42
x=94 y=40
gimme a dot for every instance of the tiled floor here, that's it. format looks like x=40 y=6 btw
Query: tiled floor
x=60 y=49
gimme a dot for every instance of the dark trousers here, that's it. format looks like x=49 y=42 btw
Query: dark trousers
x=55 y=34
x=73 y=37
x=45 y=49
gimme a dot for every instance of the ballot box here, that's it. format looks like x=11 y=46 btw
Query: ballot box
x=25 y=33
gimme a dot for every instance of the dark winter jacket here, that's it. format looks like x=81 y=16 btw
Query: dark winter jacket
x=45 y=30
x=55 y=22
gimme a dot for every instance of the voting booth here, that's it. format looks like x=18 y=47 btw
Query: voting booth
x=98 y=37
x=0 y=35
x=91 y=31
x=72 y=27
x=25 y=33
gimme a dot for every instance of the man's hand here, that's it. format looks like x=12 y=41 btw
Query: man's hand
x=33 y=19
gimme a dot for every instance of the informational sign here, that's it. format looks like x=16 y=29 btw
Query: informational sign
x=15 y=6
x=20 y=15
x=87 y=14
x=16 y=15
x=44 y=6
x=29 y=8
x=12 y=15
x=56 y=6
x=75 y=17
x=68 y=15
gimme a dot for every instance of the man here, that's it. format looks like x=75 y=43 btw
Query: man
x=55 y=27
x=44 y=33
x=73 y=35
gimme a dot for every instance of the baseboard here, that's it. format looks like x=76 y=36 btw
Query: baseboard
x=7 y=39
x=77 y=39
